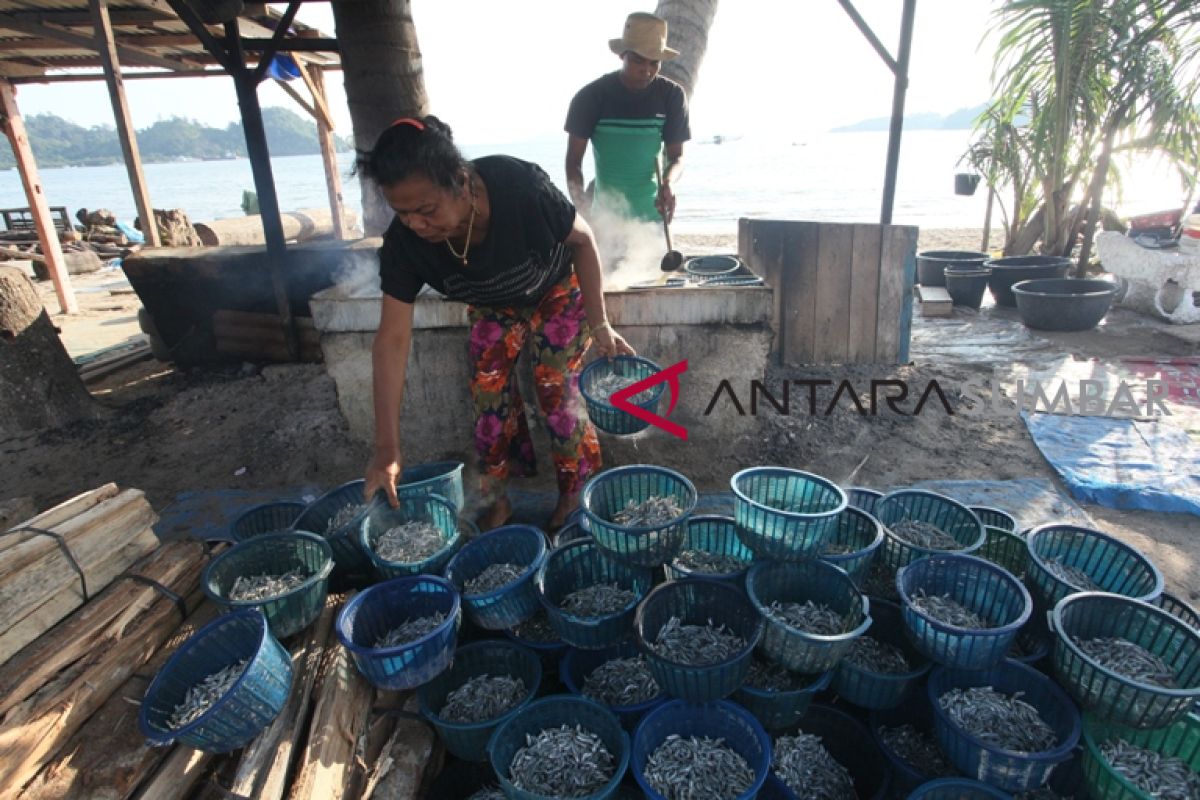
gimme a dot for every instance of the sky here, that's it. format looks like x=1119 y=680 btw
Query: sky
x=502 y=72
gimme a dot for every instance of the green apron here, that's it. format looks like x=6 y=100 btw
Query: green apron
x=625 y=151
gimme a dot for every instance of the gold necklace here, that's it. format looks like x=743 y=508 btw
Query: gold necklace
x=470 y=226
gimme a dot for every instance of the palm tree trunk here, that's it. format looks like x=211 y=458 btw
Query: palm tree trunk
x=688 y=22
x=1095 y=198
x=384 y=80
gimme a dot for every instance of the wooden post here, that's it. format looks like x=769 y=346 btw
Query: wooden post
x=107 y=48
x=987 y=221
x=14 y=127
x=333 y=182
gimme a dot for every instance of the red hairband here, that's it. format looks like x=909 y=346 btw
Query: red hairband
x=416 y=123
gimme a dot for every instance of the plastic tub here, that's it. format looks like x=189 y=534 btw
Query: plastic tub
x=850 y=744
x=612 y=490
x=776 y=710
x=274 y=554
x=351 y=566
x=512 y=604
x=1063 y=304
x=931 y=264
x=966 y=286
x=861 y=531
x=1013 y=269
x=708 y=266
x=601 y=411
x=784 y=513
x=1111 y=564
x=577 y=665
x=957 y=789
x=265 y=518
x=866 y=499
x=443 y=478
x=874 y=690
x=1179 y=740
x=578 y=565
x=915 y=711
x=711 y=533
x=430 y=508
x=951 y=516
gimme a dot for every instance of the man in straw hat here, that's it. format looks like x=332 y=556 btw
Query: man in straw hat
x=629 y=115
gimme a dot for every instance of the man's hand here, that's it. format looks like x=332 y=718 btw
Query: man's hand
x=665 y=202
x=383 y=472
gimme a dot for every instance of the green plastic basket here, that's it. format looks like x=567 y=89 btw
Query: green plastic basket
x=1180 y=740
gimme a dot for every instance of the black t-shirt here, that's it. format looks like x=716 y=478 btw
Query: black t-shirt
x=606 y=98
x=522 y=256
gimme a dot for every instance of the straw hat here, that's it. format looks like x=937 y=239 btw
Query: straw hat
x=646 y=35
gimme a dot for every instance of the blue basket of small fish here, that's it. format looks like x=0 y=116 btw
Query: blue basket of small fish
x=539 y=635
x=1179 y=609
x=616 y=677
x=284 y=575
x=1005 y=549
x=697 y=636
x=711 y=549
x=560 y=746
x=858 y=768
x=882 y=666
x=995 y=518
x=1126 y=661
x=905 y=737
x=784 y=513
x=854 y=543
x=223 y=686
x=401 y=633
x=812 y=610
x=571 y=532
x=590 y=597
x=417 y=538
x=265 y=518
x=1122 y=763
x=495 y=575
x=957 y=789
x=710 y=750
x=605 y=376
x=1065 y=559
x=639 y=513
x=335 y=516
x=778 y=697
x=488 y=682
x=443 y=478
x=1032 y=643
x=1008 y=726
x=917 y=523
x=863 y=498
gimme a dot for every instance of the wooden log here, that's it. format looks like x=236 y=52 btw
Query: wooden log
x=181 y=771
x=409 y=756
x=59 y=514
x=23 y=255
x=299 y=226
x=24 y=548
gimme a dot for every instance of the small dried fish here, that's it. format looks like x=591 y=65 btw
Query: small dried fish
x=770 y=677
x=654 y=510
x=411 y=630
x=562 y=762
x=916 y=749
x=598 y=600
x=606 y=385
x=870 y=654
x=489 y=793
x=881 y=582
x=492 y=578
x=709 y=563
x=482 y=698
x=832 y=549
x=696 y=645
x=694 y=768
x=621 y=682
x=537 y=629
x=803 y=763
x=262 y=587
x=409 y=543
x=924 y=534
x=344 y=516
x=200 y=697
x=808 y=616
x=1161 y=777
x=1072 y=575
x=999 y=719
x=1130 y=660
x=949 y=611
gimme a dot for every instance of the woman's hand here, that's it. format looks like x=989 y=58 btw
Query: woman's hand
x=608 y=343
x=383 y=472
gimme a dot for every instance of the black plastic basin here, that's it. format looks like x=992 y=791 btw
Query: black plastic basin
x=1012 y=269
x=1063 y=304
x=932 y=264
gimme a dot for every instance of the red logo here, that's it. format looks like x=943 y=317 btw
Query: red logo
x=620 y=399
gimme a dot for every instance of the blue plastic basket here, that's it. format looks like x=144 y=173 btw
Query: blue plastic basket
x=862 y=498
x=719 y=720
x=698 y=602
x=1179 y=609
x=509 y=605
x=1005 y=769
x=249 y=706
x=350 y=565
x=1032 y=643
x=873 y=690
x=708 y=266
x=1180 y=740
x=494 y=658
x=712 y=533
x=610 y=491
x=274 y=554
x=265 y=518
x=1111 y=564
x=600 y=410
x=850 y=744
x=568 y=533
x=860 y=530
x=995 y=518
x=1005 y=549
x=577 y=665
x=797 y=650
x=957 y=789
x=430 y=508
x=553 y=712
x=1108 y=695
x=443 y=478
x=914 y=710
x=954 y=519
x=550 y=653
x=785 y=513
x=776 y=710
x=774 y=789
x=384 y=607
x=578 y=565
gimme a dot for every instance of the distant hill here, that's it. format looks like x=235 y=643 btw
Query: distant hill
x=58 y=142
x=963 y=119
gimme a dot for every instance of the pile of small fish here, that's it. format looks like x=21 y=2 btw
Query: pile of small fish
x=411 y=630
x=201 y=697
x=1161 y=777
x=598 y=600
x=1072 y=575
x=263 y=587
x=344 y=516
x=925 y=535
x=948 y=611
x=607 y=385
x=808 y=616
x=916 y=749
x=1130 y=660
x=767 y=676
x=621 y=682
x=537 y=629
x=482 y=698
x=709 y=563
x=410 y=542
x=492 y=578
x=562 y=762
x=999 y=719
x=652 y=511
x=697 y=767
x=880 y=582
x=696 y=645
x=870 y=654
x=803 y=763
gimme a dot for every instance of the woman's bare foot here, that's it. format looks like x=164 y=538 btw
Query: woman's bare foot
x=567 y=503
x=496 y=514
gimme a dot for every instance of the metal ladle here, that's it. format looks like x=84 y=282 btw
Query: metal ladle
x=673 y=260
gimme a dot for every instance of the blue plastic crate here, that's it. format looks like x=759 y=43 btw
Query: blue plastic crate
x=443 y=478
x=716 y=534
x=860 y=530
x=265 y=518
x=1108 y=695
x=797 y=650
x=873 y=690
x=601 y=411
x=578 y=565
x=1179 y=740
x=384 y=607
x=776 y=710
x=243 y=712
x=274 y=554
x=350 y=564
x=698 y=602
x=784 y=513
x=863 y=498
x=1110 y=563
x=577 y=665
x=1006 y=769
x=995 y=518
x=719 y=720
x=954 y=519
x=494 y=658
x=914 y=710
x=510 y=605
x=430 y=508
x=610 y=491
x=957 y=789
x=850 y=744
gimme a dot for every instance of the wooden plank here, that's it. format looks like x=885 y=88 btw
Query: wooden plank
x=333 y=181
x=835 y=260
x=897 y=274
x=760 y=245
x=864 y=293
x=59 y=514
x=801 y=245
x=181 y=771
x=935 y=301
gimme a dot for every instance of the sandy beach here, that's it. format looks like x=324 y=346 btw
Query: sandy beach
x=930 y=239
